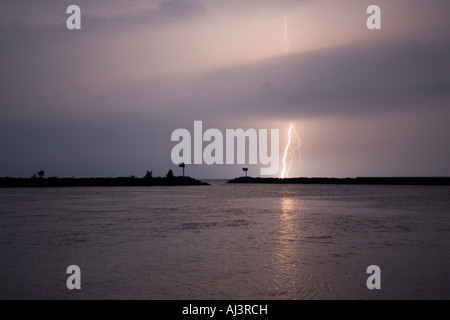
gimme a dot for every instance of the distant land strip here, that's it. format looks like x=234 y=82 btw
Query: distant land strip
x=54 y=182
x=423 y=181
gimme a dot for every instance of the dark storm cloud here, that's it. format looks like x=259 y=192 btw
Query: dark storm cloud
x=351 y=80
x=18 y=36
x=436 y=88
x=167 y=11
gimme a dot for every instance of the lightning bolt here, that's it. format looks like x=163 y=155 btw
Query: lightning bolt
x=286 y=35
x=291 y=134
x=293 y=150
x=283 y=173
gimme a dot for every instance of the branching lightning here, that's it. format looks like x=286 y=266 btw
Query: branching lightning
x=283 y=173
x=292 y=134
x=288 y=45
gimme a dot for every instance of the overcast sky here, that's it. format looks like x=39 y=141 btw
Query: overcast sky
x=104 y=100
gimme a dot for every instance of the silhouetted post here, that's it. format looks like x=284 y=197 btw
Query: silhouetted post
x=245 y=169
x=182 y=165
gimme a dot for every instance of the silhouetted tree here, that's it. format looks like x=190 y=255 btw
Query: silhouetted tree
x=41 y=174
x=148 y=175
x=169 y=174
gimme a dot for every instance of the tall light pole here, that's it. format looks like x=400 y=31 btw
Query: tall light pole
x=182 y=165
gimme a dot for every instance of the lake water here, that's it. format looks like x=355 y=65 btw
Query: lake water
x=226 y=242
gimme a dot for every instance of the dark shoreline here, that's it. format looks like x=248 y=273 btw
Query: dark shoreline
x=98 y=182
x=422 y=181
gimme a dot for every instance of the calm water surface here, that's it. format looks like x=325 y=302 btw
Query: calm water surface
x=226 y=242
